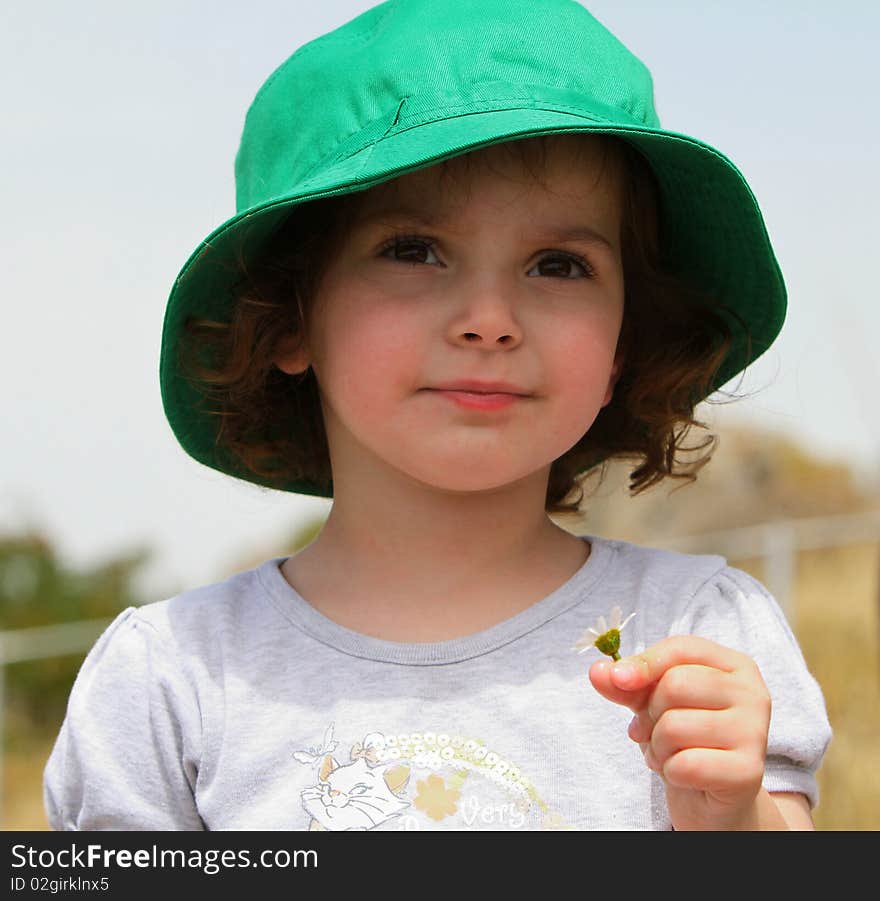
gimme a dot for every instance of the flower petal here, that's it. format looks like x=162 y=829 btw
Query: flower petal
x=601 y=625
x=615 y=618
x=626 y=621
x=585 y=641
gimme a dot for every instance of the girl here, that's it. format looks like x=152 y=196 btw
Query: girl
x=468 y=266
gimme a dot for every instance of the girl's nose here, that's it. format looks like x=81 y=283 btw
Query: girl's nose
x=485 y=318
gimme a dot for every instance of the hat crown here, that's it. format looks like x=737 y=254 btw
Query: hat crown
x=405 y=62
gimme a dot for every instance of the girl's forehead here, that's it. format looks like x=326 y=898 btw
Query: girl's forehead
x=573 y=196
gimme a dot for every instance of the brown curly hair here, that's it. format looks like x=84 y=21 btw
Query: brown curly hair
x=673 y=341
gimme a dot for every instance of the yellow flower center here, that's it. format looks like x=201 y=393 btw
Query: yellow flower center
x=609 y=643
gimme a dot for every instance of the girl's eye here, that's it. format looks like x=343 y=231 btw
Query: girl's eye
x=415 y=248
x=569 y=260
x=409 y=243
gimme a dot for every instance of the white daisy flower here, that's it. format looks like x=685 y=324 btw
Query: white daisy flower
x=604 y=636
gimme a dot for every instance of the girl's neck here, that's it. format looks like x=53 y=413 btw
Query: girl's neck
x=432 y=578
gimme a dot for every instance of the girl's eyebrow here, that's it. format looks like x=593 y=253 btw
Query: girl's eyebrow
x=409 y=216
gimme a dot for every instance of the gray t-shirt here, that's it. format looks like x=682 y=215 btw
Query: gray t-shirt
x=238 y=706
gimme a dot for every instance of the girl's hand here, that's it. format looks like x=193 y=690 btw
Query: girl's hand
x=702 y=719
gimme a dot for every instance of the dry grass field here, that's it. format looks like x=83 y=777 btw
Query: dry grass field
x=836 y=621
x=838 y=627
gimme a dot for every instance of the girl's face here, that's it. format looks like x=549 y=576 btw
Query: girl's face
x=436 y=283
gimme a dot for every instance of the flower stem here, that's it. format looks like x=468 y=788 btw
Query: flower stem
x=615 y=656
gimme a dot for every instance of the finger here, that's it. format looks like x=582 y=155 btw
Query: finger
x=686 y=686
x=600 y=676
x=640 y=670
x=718 y=772
x=682 y=728
x=640 y=728
x=693 y=685
x=650 y=759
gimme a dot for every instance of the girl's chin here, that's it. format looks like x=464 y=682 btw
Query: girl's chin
x=473 y=484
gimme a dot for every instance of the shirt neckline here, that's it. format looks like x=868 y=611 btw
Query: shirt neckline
x=297 y=610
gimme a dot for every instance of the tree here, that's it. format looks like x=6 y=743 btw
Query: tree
x=38 y=589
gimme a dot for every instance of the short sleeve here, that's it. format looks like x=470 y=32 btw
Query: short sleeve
x=127 y=754
x=735 y=610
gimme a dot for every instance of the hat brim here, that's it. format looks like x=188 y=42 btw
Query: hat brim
x=712 y=229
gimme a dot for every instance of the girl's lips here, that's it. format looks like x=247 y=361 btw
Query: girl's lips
x=477 y=401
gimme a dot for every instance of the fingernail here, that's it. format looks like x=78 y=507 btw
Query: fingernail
x=624 y=672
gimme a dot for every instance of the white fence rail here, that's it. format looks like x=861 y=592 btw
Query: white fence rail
x=777 y=543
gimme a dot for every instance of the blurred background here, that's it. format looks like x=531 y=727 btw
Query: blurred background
x=121 y=125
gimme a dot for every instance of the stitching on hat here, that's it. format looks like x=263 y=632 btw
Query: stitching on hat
x=418 y=119
x=474 y=105
x=330 y=158
x=538 y=104
x=370 y=147
x=400 y=106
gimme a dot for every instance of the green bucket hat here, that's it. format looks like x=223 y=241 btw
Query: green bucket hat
x=409 y=83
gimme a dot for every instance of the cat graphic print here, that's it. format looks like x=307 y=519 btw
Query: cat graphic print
x=418 y=781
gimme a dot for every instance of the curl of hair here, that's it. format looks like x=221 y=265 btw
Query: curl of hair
x=672 y=342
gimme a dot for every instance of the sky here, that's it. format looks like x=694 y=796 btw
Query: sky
x=121 y=123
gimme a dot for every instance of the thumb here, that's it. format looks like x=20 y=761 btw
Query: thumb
x=601 y=677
